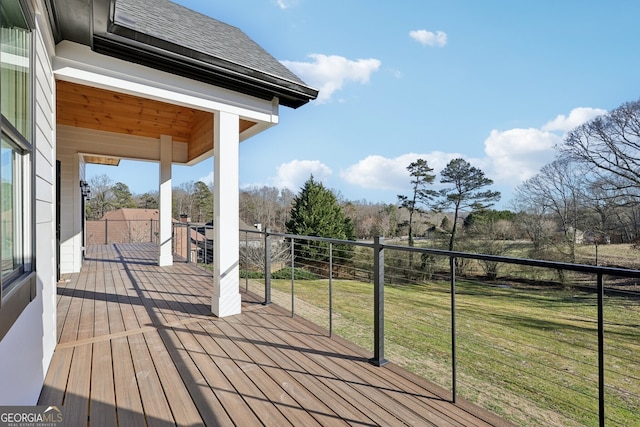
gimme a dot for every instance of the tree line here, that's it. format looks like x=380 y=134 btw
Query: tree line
x=193 y=199
x=589 y=193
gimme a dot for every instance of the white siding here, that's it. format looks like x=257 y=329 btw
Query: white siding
x=27 y=348
x=70 y=215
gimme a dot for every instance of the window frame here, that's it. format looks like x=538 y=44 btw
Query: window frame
x=22 y=290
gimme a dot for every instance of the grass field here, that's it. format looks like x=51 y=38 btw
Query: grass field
x=529 y=355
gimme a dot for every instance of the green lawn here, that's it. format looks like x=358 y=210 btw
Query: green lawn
x=529 y=355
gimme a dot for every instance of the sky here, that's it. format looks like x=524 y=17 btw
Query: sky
x=496 y=82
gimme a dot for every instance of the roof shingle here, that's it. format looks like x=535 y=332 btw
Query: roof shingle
x=184 y=27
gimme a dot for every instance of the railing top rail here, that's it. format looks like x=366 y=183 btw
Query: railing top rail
x=581 y=268
x=558 y=265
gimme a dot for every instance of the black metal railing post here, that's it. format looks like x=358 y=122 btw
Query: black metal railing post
x=452 y=268
x=378 y=302
x=246 y=261
x=601 y=348
x=205 y=257
x=106 y=231
x=267 y=267
x=188 y=242
x=330 y=289
x=293 y=277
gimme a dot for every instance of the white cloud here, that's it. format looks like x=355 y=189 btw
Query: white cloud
x=285 y=4
x=511 y=156
x=329 y=73
x=576 y=117
x=382 y=173
x=517 y=154
x=293 y=175
x=206 y=179
x=428 y=38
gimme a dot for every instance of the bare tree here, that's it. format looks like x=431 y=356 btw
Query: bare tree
x=252 y=256
x=266 y=205
x=558 y=189
x=610 y=145
x=102 y=198
x=533 y=220
x=183 y=200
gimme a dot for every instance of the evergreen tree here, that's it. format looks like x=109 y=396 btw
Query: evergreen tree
x=466 y=191
x=316 y=212
x=122 y=196
x=488 y=215
x=148 y=201
x=203 y=202
x=421 y=176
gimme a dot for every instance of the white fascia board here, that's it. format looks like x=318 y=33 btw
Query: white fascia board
x=77 y=63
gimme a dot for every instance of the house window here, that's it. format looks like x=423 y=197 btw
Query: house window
x=11 y=203
x=17 y=281
x=15 y=75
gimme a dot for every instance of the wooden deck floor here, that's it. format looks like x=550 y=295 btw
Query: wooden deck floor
x=138 y=346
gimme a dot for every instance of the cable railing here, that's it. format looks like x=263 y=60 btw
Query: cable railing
x=536 y=342
x=107 y=231
x=193 y=242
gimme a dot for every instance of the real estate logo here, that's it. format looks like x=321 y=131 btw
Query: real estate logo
x=30 y=416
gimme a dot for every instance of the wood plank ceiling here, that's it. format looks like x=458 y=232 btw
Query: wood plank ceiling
x=99 y=109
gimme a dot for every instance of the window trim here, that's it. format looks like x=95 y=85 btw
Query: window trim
x=23 y=290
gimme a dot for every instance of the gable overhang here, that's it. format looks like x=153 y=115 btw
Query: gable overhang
x=103 y=95
x=91 y=23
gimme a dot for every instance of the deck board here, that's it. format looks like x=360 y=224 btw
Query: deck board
x=138 y=346
x=102 y=409
x=324 y=407
x=184 y=410
x=128 y=401
x=407 y=406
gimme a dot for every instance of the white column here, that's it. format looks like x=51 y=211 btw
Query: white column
x=226 y=294
x=166 y=256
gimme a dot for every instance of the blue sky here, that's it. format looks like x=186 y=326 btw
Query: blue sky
x=497 y=82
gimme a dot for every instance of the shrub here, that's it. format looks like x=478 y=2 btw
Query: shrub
x=299 y=273
x=251 y=274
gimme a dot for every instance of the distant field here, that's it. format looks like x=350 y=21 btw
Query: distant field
x=622 y=255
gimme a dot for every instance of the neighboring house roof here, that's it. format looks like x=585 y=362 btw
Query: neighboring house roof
x=132 y=214
x=125 y=225
x=166 y=36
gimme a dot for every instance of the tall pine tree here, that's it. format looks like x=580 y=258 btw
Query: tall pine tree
x=316 y=212
x=467 y=191
x=421 y=177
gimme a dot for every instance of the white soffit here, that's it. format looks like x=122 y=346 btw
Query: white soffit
x=78 y=64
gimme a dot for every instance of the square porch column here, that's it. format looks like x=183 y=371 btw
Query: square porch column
x=226 y=293
x=164 y=203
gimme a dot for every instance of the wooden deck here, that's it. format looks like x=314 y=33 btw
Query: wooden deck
x=138 y=346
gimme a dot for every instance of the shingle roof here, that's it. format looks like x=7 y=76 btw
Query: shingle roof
x=132 y=214
x=184 y=27
x=169 y=37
